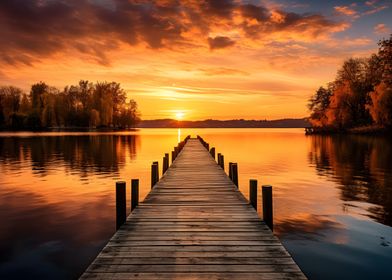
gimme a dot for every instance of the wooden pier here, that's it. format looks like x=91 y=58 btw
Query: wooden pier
x=194 y=224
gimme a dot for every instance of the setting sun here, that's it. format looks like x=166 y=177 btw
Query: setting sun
x=179 y=115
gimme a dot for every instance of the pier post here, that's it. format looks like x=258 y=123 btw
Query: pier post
x=253 y=193
x=121 y=204
x=234 y=173
x=212 y=152
x=267 y=206
x=230 y=171
x=222 y=162
x=219 y=159
x=154 y=173
x=165 y=163
x=134 y=193
x=173 y=156
x=157 y=172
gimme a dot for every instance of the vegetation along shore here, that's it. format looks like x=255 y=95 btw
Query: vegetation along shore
x=359 y=100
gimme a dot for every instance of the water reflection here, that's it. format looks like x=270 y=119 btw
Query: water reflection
x=82 y=154
x=362 y=167
x=332 y=195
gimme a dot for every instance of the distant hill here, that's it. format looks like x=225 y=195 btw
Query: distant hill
x=241 y=123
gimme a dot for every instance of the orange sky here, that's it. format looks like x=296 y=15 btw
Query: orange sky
x=206 y=59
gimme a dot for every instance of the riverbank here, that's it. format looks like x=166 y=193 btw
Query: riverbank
x=364 y=130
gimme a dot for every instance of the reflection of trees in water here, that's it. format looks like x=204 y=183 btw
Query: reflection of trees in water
x=363 y=167
x=83 y=154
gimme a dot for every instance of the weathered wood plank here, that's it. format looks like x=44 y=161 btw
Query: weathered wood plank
x=196 y=276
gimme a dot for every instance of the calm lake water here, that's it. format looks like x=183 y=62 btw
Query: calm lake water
x=332 y=195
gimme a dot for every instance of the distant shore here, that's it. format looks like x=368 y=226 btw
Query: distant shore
x=363 y=130
x=171 y=123
x=236 y=123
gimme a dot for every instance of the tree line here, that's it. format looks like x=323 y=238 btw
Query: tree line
x=360 y=95
x=103 y=104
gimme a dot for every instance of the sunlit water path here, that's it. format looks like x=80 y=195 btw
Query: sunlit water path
x=333 y=195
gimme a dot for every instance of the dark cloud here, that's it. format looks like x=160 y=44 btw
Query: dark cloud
x=220 y=42
x=220 y=8
x=259 y=13
x=31 y=30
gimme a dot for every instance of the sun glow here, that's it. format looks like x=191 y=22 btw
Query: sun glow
x=179 y=115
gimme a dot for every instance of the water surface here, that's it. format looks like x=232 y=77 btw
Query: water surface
x=332 y=195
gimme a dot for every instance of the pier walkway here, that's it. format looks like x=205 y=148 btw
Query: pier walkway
x=194 y=224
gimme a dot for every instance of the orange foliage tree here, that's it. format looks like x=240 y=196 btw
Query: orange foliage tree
x=360 y=95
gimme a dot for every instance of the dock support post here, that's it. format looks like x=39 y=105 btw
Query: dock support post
x=222 y=161
x=212 y=152
x=253 y=193
x=173 y=156
x=165 y=165
x=134 y=193
x=219 y=159
x=154 y=173
x=234 y=173
x=267 y=206
x=121 y=204
x=230 y=171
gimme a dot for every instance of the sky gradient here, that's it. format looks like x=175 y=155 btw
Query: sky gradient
x=204 y=59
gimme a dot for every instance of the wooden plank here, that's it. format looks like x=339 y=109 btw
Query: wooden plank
x=193 y=268
x=194 y=224
x=196 y=276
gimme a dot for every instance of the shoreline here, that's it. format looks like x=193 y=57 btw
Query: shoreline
x=363 y=130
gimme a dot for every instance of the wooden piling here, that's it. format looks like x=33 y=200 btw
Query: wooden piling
x=134 y=193
x=212 y=152
x=157 y=172
x=230 y=171
x=253 y=193
x=219 y=159
x=222 y=161
x=234 y=173
x=268 y=206
x=154 y=174
x=121 y=204
x=165 y=165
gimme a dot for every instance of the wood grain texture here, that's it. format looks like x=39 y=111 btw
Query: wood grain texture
x=194 y=224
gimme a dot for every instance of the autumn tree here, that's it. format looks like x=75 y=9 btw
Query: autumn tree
x=85 y=104
x=360 y=94
x=380 y=105
x=318 y=104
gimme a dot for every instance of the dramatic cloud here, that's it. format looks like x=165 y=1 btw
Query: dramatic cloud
x=208 y=58
x=36 y=29
x=220 y=42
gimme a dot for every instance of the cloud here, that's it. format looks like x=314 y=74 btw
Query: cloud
x=220 y=42
x=31 y=31
x=222 y=71
x=381 y=29
x=346 y=10
x=375 y=10
x=374 y=7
